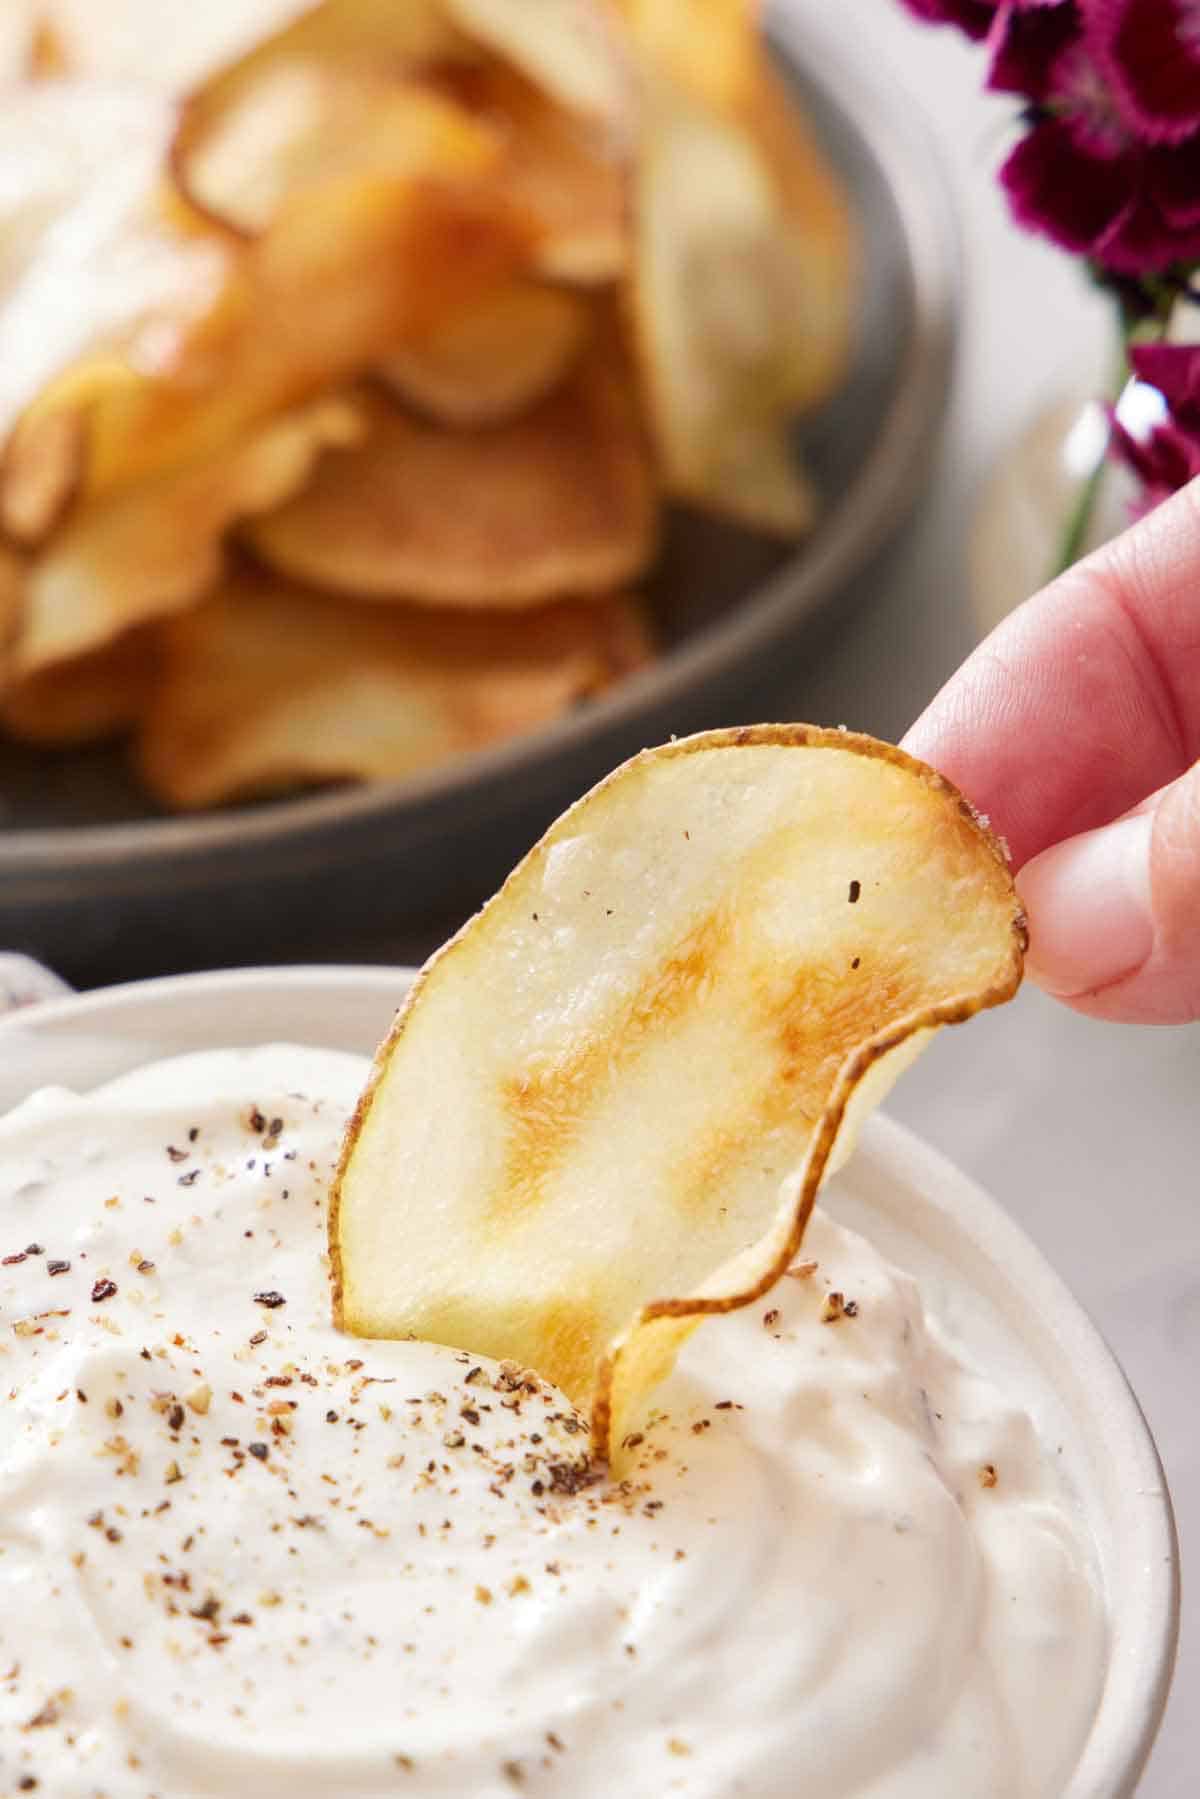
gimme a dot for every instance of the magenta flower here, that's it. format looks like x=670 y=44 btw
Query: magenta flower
x=978 y=18
x=1026 y=41
x=1149 y=51
x=1082 y=175
x=972 y=16
x=1167 y=456
x=1109 y=167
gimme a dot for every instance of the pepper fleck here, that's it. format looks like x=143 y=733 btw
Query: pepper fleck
x=270 y=1298
x=103 y=1289
x=260 y=1451
x=58 y=1267
x=855 y=890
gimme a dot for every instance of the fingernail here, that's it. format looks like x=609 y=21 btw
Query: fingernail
x=1088 y=904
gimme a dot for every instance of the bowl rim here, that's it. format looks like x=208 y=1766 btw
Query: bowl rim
x=45 y=863
x=1138 y=1680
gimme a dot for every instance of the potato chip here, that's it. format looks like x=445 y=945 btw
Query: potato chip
x=161 y=341
x=40 y=473
x=266 y=686
x=822 y=234
x=559 y=501
x=568 y=49
x=487 y=361
x=712 y=289
x=564 y=171
x=94 y=274
x=744 y=266
x=18 y=39
x=154 y=548
x=266 y=121
x=12 y=599
x=607 y=1106
x=307 y=124
x=159 y=43
x=345 y=275
x=90 y=698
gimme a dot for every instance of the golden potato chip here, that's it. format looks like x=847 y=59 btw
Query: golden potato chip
x=165 y=44
x=18 y=42
x=12 y=599
x=607 y=1106
x=491 y=359
x=94 y=275
x=265 y=122
x=569 y=49
x=40 y=471
x=743 y=307
x=151 y=549
x=564 y=171
x=92 y=697
x=306 y=124
x=167 y=341
x=822 y=235
x=268 y=686
x=559 y=501
x=713 y=291
x=344 y=275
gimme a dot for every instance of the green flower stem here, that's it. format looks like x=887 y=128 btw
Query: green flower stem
x=1079 y=519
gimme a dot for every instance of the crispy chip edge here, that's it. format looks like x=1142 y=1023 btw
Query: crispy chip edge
x=956 y=1010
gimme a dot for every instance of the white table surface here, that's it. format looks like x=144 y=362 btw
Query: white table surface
x=1089 y=1133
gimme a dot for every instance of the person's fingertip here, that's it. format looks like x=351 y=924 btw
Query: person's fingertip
x=1089 y=905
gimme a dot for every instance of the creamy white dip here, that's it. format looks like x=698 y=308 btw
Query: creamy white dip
x=244 y=1556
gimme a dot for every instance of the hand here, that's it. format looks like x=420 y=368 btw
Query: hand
x=1076 y=728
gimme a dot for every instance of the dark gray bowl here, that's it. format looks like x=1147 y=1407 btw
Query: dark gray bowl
x=96 y=883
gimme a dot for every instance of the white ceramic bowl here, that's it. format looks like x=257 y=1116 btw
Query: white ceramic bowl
x=978 y=1272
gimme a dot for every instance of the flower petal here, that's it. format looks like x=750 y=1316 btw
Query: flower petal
x=1061 y=190
x=1173 y=177
x=1150 y=53
x=1166 y=461
x=1140 y=241
x=1025 y=43
x=1174 y=369
x=972 y=16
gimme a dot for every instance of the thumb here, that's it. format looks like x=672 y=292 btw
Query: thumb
x=1114 y=914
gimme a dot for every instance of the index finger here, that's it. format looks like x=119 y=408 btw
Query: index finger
x=1088 y=697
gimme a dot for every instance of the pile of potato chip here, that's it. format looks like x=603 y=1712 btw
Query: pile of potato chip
x=350 y=350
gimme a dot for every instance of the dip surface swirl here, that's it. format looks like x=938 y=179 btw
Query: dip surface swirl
x=242 y=1554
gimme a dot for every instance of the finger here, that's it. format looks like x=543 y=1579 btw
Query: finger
x=1114 y=914
x=1088 y=697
